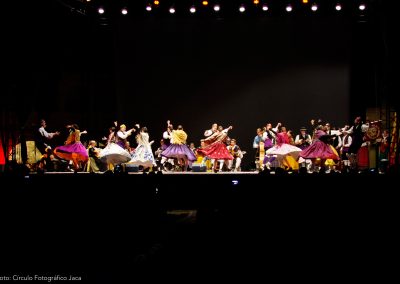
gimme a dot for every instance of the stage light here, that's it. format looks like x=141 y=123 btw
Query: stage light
x=235 y=182
x=256 y=2
x=217 y=8
x=242 y=9
x=156 y=2
x=338 y=7
x=265 y=8
x=305 y=1
x=193 y=9
x=87 y=0
x=362 y=7
x=289 y=8
x=172 y=10
x=205 y=3
x=148 y=8
x=124 y=11
x=314 y=7
x=100 y=11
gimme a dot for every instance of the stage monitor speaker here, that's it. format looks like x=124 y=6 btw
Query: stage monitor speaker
x=197 y=167
x=131 y=168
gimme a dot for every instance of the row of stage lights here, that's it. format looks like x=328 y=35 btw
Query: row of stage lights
x=242 y=8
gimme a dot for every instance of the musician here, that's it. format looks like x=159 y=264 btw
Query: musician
x=192 y=148
x=95 y=164
x=237 y=155
x=384 y=147
x=256 y=146
x=303 y=140
x=128 y=148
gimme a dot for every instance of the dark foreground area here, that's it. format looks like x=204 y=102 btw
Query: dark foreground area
x=122 y=228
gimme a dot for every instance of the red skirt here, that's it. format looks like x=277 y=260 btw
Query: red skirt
x=363 y=158
x=216 y=151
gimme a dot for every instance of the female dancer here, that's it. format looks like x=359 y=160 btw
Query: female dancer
x=319 y=149
x=73 y=150
x=113 y=154
x=217 y=150
x=143 y=155
x=178 y=148
x=286 y=154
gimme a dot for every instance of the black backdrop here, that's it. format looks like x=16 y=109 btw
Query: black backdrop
x=240 y=71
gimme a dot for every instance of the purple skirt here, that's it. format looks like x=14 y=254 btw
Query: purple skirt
x=319 y=150
x=76 y=147
x=178 y=151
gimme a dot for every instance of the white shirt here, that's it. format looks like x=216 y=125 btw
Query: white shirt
x=349 y=140
x=44 y=133
x=124 y=135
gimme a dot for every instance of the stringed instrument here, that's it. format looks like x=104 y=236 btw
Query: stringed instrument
x=262 y=154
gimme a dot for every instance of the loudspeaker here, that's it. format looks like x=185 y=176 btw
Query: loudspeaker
x=131 y=168
x=197 y=167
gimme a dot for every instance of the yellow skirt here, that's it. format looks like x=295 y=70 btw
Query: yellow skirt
x=331 y=162
x=290 y=162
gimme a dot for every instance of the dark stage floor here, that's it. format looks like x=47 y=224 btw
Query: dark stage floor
x=114 y=228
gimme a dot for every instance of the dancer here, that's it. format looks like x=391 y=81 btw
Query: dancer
x=123 y=134
x=303 y=140
x=73 y=150
x=286 y=154
x=217 y=150
x=178 y=148
x=113 y=154
x=319 y=150
x=143 y=155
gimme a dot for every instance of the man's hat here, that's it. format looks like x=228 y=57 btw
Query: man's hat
x=303 y=128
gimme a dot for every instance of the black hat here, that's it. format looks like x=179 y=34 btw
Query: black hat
x=303 y=128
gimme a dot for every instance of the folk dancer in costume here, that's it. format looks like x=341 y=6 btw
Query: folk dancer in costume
x=319 y=150
x=383 y=154
x=237 y=155
x=143 y=155
x=357 y=140
x=73 y=150
x=256 y=147
x=207 y=134
x=217 y=150
x=123 y=134
x=158 y=152
x=303 y=140
x=212 y=130
x=286 y=154
x=344 y=146
x=269 y=137
x=167 y=140
x=178 y=148
x=113 y=154
x=42 y=141
x=94 y=165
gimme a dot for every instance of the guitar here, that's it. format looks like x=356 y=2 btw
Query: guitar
x=262 y=154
